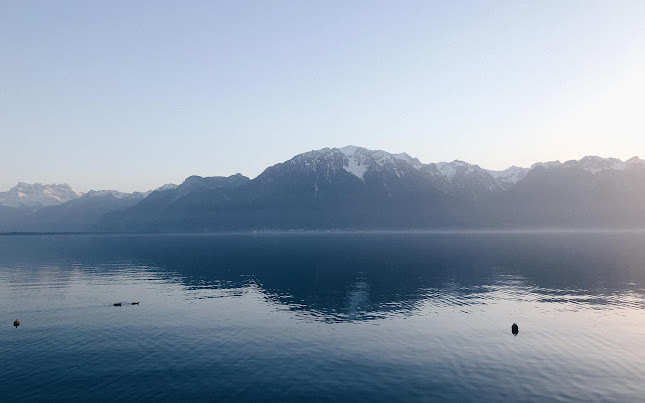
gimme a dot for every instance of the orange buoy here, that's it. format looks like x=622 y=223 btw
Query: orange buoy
x=16 y=323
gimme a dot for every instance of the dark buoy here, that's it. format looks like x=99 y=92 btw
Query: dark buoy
x=135 y=303
x=117 y=304
x=515 y=329
x=16 y=323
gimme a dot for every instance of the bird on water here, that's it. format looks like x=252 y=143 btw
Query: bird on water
x=16 y=323
x=515 y=329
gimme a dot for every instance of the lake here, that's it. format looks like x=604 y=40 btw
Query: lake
x=324 y=316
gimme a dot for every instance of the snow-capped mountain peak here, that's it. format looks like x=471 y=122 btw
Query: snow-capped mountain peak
x=596 y=164
x=359 y=160
x=509 y=176
x=167 y=186
x=349 y=150
x=450 y=169
x=355 y=164
x=464 y=177
x=593 y=164
x=405 y=157
x=38 y=195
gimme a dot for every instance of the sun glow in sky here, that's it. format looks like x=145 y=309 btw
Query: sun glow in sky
x=132 y=95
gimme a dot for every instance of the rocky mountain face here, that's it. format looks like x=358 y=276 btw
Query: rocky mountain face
x=349 y=187
x=356 y=188
x=375 y=166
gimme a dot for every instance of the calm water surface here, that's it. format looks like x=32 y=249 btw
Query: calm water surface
x=324 y=317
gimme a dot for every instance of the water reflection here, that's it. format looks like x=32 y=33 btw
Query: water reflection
x=348 y=277
x=343 y=317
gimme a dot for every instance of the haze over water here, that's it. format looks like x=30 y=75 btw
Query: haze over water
x=280 y=316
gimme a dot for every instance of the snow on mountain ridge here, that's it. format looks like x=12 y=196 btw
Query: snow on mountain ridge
x=596 y=164
x=359 y=159
x=513 y=172
x=547 y=164
x=355 y=166
x=354 y=160
x=405 y=157
x=37 y=195
x=449 y=169
x=593 y=164
x=509 y=176
x=167 y=186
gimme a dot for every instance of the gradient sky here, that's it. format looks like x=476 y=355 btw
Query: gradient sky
x=130 y=95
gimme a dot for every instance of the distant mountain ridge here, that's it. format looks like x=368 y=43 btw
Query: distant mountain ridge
x=350 y=187
x=58 y=208
x=37 y=195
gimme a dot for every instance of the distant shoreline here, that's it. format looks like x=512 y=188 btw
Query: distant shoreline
x=443 y=231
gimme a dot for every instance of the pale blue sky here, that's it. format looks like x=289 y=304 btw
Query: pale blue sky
x=130 y=95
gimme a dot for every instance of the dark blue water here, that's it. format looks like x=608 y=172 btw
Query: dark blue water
x=324 y=317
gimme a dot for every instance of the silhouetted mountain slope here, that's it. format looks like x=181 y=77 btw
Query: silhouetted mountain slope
x=357 y=188
x=319 y=189
x=328 y=188
x=188 y=206
x=353 y=187
x=564 y=196
x=77 y=215
x=11 y=217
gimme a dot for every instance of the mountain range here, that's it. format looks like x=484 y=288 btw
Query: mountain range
x=350 y=188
